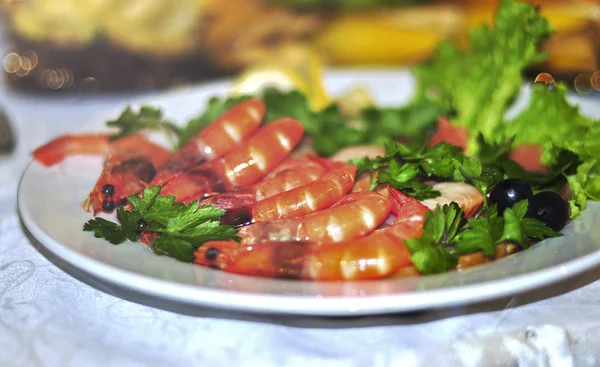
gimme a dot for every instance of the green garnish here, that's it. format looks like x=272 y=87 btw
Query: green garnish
x=181 y=228
x=331 y=130
x=430 y=252
x=147 y=118
x=447 y=234
x=406 y=168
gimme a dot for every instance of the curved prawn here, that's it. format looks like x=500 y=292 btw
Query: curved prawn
x=378 y=255
x=229 y=130
x=312 y=197
x=353 y=216
x=130 y=164
x=292 y=173
x=241 y=166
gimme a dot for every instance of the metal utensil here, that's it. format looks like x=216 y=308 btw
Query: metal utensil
x=7 y=137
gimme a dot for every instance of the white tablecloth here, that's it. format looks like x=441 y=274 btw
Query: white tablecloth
x=48 y=318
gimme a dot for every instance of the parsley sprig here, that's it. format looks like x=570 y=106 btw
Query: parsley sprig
x=146 y=118
x=181 y=228
x=447 y=234
x=406 y=168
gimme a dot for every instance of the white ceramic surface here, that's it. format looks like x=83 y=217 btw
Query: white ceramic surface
x=50 y=199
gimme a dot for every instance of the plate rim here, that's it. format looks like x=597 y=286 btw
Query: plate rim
x=308 y=305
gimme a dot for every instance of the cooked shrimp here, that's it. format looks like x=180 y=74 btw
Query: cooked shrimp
x=292 y=173
x=129 y=167
x=130 y=164
x=303 y=200
x=378 y=255
x=58 y=149
x=353 y=216
x=468 y=197
x=231 y=129
x=242 y=166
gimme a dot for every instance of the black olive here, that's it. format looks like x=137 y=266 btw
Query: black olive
x=509 y=192
x=108 y=189
x=211 y=253
x=549 y=208
x=142 y=224
x=108 y=205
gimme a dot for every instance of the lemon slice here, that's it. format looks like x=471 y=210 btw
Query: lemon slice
x=257 y=78
x=292 y=68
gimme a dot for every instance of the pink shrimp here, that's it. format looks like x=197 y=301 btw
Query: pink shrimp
x=378 y=255
x=353 y=216
x=242 y=166
x=231 y=129
x=130 y=164
x=312 y=197
x=292 y=173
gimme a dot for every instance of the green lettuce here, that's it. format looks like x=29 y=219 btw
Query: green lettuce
x=550 y=121
x=481 y=82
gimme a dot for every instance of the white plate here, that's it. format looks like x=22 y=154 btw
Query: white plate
x=50 y=206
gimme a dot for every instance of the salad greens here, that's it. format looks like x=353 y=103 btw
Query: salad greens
x=479 y=83
x=447 y=234
x=406 y=168
x=551 y=122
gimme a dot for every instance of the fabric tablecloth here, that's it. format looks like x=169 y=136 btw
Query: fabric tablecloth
x=49 y=318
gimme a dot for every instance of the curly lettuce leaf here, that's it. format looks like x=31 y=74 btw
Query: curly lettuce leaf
x=480 y=83
x=549 y=116
x=550 y=121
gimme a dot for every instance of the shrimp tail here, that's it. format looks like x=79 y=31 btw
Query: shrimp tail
x=60 y=148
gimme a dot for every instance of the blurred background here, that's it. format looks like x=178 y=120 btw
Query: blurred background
x=57 y=46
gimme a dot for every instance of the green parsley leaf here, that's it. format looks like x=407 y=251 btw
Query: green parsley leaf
x=522 y=230
x=406 y=168
x=489 y=229
x=110 y=231
x=147 y=118
x=175 y=247
x=430 y=253
x=481 y=234
x=332 y=130
x=181 y=228
x=430 y=259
